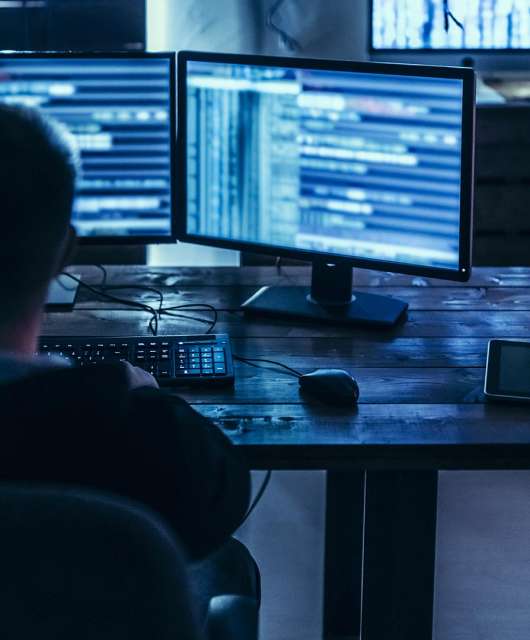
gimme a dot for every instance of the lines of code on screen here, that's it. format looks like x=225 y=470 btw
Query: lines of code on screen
x=421 y=24
x=352 y=164
x=118 y=111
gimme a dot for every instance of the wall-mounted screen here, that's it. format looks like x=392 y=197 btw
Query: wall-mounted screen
x=442 y=24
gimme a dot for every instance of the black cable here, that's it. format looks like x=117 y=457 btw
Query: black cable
x=449 y=15
x=167 y=311
x=259 y=496
x=103 y=282
x=102 y=289
x=288 y=41
x=251 y=362
x=153 y=323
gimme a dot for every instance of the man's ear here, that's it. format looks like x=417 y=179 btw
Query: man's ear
x=69 y=248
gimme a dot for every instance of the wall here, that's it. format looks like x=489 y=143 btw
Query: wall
x=330 y=29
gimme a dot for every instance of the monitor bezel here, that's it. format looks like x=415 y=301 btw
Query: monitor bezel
x=461 y=273
x=115 y=55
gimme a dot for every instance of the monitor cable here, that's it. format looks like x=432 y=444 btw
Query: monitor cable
x=449 y=15
x=102 y=290
x=153 y=323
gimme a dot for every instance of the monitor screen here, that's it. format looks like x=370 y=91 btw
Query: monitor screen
x=343 y=163
x=447 y=24
x=118 y=109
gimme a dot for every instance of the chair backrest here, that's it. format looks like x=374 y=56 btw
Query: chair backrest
x=89 y=566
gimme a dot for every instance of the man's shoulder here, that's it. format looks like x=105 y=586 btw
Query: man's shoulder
x=65 y=392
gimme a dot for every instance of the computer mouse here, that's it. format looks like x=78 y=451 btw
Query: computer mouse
x=332 y=386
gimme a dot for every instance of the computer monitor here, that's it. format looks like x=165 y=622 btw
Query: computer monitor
x=120 y=108
x=339 y=163
x=491 y=35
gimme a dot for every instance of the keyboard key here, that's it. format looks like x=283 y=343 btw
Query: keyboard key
x=171 y=359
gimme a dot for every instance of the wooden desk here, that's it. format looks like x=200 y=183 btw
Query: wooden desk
x=421 y=409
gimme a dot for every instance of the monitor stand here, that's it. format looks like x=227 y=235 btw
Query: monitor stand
x=330 y=299
x=62 y=294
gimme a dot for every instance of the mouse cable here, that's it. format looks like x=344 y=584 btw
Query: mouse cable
x=252 y=361
x=258 y=496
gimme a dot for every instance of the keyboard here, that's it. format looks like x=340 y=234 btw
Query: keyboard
x=173 y=360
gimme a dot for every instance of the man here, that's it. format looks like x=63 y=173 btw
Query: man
x=108 y=428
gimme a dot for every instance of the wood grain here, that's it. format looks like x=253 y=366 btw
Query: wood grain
x=421 y=403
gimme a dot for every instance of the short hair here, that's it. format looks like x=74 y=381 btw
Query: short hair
x=38 y=168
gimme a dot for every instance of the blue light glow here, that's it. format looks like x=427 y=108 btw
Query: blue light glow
x=346 y=163
x=420 y=24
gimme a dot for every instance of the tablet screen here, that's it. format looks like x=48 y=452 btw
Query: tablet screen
x=514 y=370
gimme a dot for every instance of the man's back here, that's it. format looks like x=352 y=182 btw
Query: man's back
x=86 y=427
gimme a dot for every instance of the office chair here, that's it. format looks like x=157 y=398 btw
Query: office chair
x=90 y=566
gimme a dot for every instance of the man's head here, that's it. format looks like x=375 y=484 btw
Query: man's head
x=37 y=182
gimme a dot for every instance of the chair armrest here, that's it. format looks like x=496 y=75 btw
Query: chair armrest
x=232 y=618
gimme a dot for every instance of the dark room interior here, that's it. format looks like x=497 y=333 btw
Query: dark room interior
x=265 y=330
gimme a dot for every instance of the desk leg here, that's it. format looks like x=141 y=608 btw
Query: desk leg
x=343 y=553
x=399 y=555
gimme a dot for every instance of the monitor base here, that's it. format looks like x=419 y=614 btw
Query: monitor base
x=297 y=303
x=62 y=294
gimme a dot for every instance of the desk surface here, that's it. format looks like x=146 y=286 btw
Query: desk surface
x=421 y=404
